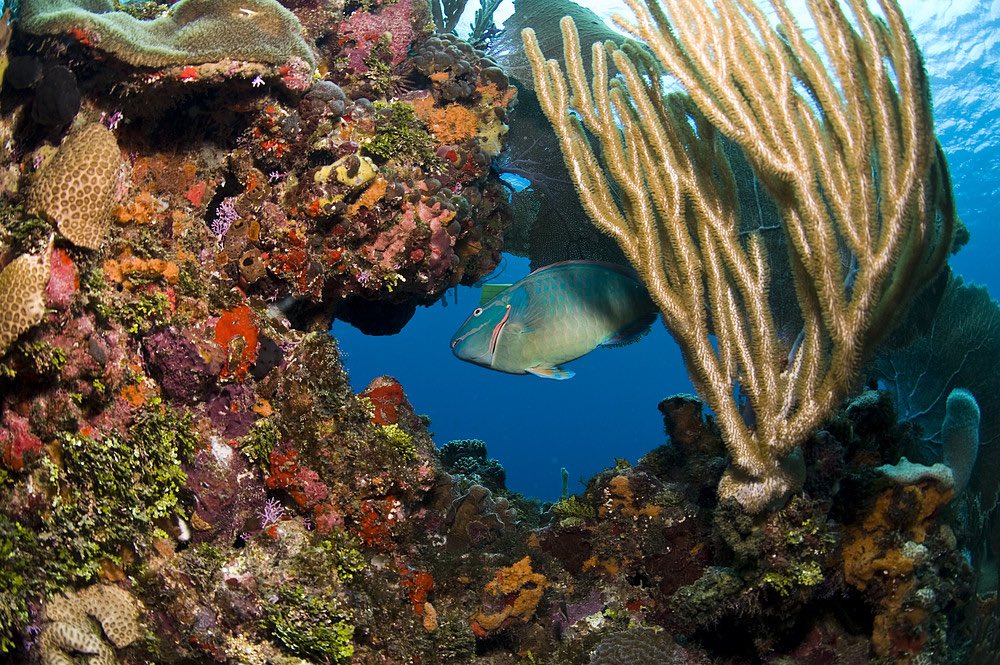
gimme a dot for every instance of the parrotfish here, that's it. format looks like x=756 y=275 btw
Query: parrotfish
x=554 y=315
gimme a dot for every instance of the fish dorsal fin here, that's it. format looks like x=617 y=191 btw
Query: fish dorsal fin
x=632 y=333
x=557 y=373
x=628 y=271
x=583 y=262
x=491 y=291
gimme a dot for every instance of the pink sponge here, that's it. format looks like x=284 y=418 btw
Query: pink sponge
x=17 y=440
x=365 y=29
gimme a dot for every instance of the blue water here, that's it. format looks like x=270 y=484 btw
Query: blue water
x=533 y=426
x=608 y=410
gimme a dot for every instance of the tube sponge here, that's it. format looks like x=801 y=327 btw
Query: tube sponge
x=960 y=435
x=192 y=32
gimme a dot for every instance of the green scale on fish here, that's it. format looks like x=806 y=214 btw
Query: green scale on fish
x=554 y=315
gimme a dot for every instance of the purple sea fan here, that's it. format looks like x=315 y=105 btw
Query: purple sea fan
x=271 y=513
x=225 y=215
x=569 y=613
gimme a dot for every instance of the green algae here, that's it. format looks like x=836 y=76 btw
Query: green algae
x=37 y=358
x=260 y=441
x=400 y=441
x=105 y=497
x=310 y=626
x=144 y=313
x=401 y=135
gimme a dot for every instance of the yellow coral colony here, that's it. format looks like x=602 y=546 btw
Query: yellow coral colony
x=848 y=154
x=76 y=189
x=22 y=296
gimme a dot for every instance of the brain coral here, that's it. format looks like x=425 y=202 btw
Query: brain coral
x=76 y=189
x=638 y=647
x=22 y=296
x=192 y=32
x=70 y=631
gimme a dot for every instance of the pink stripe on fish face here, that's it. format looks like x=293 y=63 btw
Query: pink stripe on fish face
x=496 y=331
x=461 y=338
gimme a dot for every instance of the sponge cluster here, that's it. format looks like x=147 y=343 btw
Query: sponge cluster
x=76 y=190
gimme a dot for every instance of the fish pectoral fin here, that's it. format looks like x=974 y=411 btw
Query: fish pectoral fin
x=557 y=373
x=517 y=328
x=631 y=333
x=525 y=316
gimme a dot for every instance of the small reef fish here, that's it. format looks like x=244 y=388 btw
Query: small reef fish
x=554 y=315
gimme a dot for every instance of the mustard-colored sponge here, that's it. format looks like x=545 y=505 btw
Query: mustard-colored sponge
x=192 y=32
x=76 y=189
x=22 y=296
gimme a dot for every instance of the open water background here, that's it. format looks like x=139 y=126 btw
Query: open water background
x=608 y=410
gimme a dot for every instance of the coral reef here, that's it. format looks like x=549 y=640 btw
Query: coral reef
x=22 y=295
x=467 y=458
x=663 y=551
x=639 y=647
x=181 y=426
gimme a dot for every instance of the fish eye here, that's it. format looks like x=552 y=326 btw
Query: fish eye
x=477 y=311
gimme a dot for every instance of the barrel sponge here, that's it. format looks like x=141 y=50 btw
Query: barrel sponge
x=22 y=296
x=960 y=435
x=192 y=32
x=76 y=190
